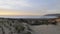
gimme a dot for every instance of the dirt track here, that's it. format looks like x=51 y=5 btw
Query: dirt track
x=46 y=29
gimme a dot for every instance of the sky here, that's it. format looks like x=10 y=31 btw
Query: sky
x=29 y=7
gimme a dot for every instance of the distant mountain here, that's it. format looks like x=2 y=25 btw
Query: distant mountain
x=52 y=15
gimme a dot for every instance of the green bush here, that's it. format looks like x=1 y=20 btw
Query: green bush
x=19 y=28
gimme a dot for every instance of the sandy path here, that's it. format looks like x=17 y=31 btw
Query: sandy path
x=46 y=29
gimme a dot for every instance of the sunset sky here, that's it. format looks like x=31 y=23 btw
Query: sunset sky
x=29 y=7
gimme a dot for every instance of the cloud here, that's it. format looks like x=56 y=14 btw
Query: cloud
x=52 y=12
x=13 y=4
x=32 y=6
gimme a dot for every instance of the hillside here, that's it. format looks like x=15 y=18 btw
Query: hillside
x=13 y=26
x=52 y=15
